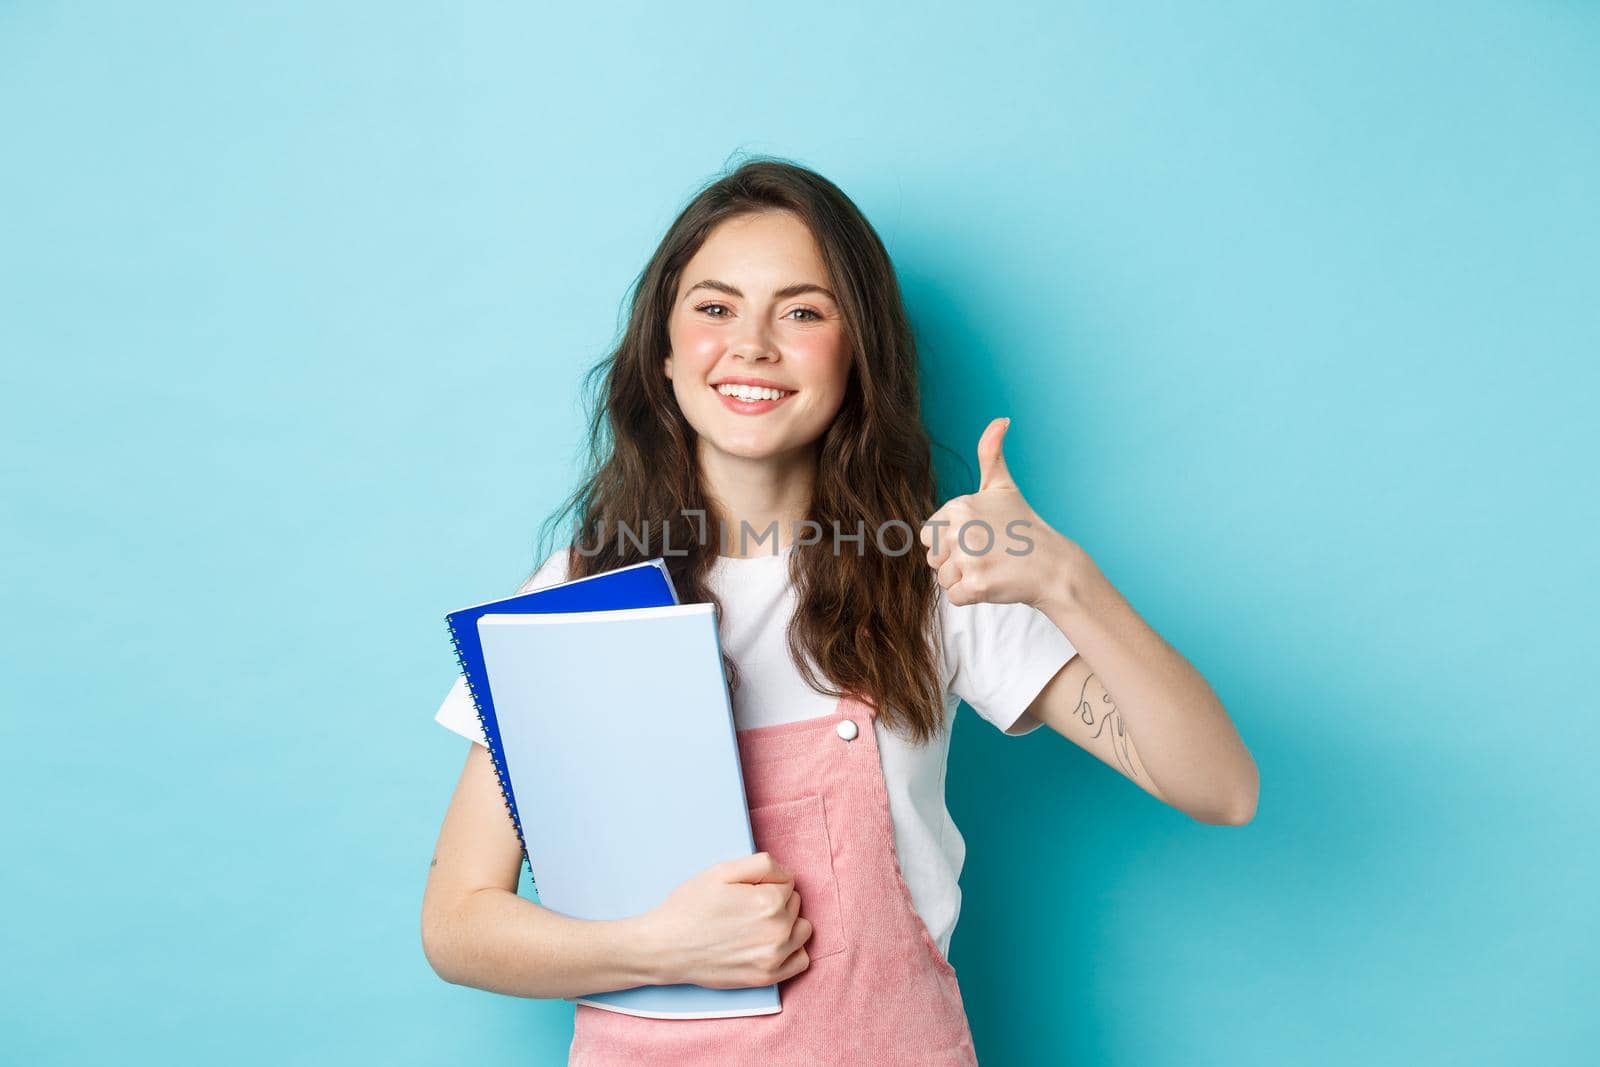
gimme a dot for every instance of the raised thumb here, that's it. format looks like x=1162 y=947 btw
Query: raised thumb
x=991 y=459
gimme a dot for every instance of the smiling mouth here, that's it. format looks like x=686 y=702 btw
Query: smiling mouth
x=751 y=393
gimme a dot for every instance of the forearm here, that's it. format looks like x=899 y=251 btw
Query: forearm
x=496 y=940
x=1186 y=740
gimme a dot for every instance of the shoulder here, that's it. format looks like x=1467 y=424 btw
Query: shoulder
x=458 y=711
x=550 y=572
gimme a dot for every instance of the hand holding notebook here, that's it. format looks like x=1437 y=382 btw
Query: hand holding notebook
x=737 y=923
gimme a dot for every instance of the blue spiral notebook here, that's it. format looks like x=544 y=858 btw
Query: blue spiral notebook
x=618 y=733
x=641 y=585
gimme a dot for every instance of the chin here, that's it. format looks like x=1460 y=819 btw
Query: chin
x=746 y=449
x=750 y=446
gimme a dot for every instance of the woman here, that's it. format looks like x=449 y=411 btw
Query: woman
x=760 y=428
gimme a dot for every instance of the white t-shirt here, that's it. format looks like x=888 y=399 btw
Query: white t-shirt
x=996 y=657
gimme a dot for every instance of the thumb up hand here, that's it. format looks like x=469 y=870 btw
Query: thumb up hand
x=990 y=546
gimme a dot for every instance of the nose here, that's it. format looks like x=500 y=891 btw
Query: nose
x=754 y=346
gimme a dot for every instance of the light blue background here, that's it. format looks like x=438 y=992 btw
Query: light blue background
x=1293 y=307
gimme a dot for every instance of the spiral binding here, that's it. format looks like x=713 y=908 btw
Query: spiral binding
x=502 y=775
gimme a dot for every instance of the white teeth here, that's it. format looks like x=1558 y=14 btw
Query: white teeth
x=750 y=392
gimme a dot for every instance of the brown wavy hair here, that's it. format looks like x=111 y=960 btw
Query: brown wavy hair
x=864 y=621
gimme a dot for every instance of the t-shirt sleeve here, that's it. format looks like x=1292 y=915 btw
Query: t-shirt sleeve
x=457 y=712
x=999 y=656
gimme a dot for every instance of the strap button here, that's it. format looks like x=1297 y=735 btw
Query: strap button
x=847 y=729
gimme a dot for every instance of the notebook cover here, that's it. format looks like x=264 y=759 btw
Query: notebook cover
x=620 y=742
x=638 y=585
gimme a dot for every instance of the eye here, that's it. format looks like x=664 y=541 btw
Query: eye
x=815 y=317
x=707 y=308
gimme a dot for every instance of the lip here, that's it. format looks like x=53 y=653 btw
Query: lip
x=749 y=407
x=764 y=383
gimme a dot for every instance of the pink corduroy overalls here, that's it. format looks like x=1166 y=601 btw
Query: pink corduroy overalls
x=877 y=991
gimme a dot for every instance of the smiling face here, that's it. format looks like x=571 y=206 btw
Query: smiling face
x=759 y=360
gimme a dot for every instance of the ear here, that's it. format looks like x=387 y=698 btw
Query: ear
x=666 y=365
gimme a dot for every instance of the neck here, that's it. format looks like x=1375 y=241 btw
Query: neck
x=758 y=493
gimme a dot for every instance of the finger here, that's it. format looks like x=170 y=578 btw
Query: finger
x=757 y=868
x=798 y=935
x=991 y=459
x=949 y=573
x=742 y=868
x=792 y=966
x=935 y=531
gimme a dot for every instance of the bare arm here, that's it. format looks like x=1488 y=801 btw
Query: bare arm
x=1186 y=740
x=476 y=930
x=1126 y=680
x=1075 y=705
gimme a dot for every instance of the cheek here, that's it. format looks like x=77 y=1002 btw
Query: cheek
x=827 y=365
x=693 y=357
x=696 y=347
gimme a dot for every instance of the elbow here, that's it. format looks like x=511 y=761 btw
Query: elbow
x=438 y=940
x=1242 y=806
x=433 y=946
x=1237 y=808
x=1240 y=812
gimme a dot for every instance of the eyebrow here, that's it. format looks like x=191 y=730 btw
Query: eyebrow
x=782 y=294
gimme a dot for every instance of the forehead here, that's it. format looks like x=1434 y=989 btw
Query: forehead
x=773 y=246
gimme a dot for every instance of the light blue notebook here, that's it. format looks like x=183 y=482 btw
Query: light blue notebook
x=619 y=739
